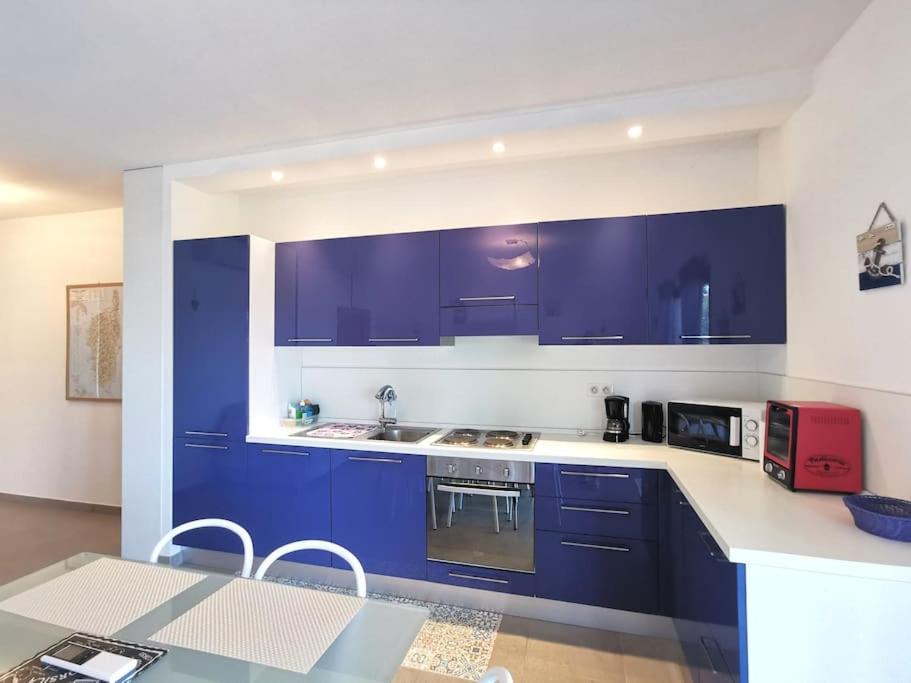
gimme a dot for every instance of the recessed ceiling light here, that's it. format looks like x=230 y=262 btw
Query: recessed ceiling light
x=634 y=132
x=13 y=193
x=379 y=163
x=278 y=176
x=498 y=147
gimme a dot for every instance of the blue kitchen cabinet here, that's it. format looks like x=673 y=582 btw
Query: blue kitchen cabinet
x=313 y=293
x=211 y=347
x=717 y=277
x=209 y=480
x=593 y=281
x=482 y=578
x=596 y=483
x=289 y=498
x=489 y=267
x=396 y=289
x=378 y=511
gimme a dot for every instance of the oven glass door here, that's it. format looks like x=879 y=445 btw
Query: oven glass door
x=779 y=429
x=481 y=523
x=715 y=429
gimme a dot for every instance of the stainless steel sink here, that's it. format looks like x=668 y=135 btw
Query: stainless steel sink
x=403 y=434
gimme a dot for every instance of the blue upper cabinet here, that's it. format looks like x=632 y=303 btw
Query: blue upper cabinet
x=717 y=277
x=313 y=293
x=211 y=348
x=396 y=289
x=593 y=281
x=485 y=268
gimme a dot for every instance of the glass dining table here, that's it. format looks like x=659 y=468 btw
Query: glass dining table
x=370 y=648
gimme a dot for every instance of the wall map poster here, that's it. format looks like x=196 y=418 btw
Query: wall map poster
x=879 y=252
x=94 y=349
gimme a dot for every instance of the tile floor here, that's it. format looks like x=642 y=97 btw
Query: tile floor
x=34 y=535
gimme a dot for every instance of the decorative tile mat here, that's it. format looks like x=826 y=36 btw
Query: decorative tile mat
x=455 y=641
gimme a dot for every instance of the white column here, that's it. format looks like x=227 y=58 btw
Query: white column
x=147 y=358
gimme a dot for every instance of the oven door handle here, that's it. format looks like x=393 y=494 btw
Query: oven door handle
x=471 y=490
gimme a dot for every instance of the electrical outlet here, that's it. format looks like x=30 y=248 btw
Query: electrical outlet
x=594 y=390
x=607 y=389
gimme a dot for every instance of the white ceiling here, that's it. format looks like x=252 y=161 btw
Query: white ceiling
x=93 y=87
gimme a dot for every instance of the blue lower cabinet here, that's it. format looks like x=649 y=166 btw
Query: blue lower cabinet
x=289 y=492
x=621 y=520
x=597 y=570
x=488 y=321
x=589 y=482
x=209 y=480
x=378 y=513
x=485 y=578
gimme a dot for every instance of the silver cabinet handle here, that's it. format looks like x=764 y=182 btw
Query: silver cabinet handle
x=310 y=339
x=613 y=337
x=612 y=548
x=573 y=508
x=716 y=336
x=511 y=297
x=276 y=452
x=477 y=578
x=393 y=461
x=394 y=339
x=205 y=445
x=206 y=433
x=610 y=475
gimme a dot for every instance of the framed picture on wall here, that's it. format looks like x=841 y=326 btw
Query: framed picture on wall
x=94 y=342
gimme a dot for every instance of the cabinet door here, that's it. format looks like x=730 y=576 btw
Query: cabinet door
x=289 y=492
x=396 y=289
x=286 y=293
x=717 y=277
x=592 y=282
x=322 y=293
x=209 y=480
x=489 y=266
x=211 y=303
x=378 y=511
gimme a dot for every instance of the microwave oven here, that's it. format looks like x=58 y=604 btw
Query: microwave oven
x=814 y=446
x=735 y=429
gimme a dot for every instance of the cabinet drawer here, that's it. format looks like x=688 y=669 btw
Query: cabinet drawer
x=586 y=482
x=597 y=570
x=623 y=520
x=483 y=578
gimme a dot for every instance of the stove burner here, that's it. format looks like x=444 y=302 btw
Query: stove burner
x=499 y=441
x=462 y=437
x=502 y=433
x=465 y=432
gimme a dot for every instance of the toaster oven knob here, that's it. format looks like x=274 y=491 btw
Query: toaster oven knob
x=752 y=425
x=768 y=467
x=780 y=474
x=752 y=441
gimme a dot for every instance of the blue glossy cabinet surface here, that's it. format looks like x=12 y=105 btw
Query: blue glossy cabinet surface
x=717 y=277
x=396 y=289
x=483 y=578
x=209 y=480
x=378 y=511
x=211 y=304
x=313 y=293
x=289 y=493
x=592 y=281
x=592 y=482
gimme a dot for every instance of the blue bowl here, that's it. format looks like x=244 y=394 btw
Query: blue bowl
x=881 y=516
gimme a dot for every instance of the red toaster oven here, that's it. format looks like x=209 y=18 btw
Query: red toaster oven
x=814 y=446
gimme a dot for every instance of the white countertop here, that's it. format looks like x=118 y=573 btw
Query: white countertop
x=752 y=518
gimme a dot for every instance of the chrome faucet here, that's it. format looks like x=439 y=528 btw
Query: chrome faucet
x=386 y=396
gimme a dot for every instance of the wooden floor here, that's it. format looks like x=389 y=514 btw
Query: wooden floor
x=34 y=535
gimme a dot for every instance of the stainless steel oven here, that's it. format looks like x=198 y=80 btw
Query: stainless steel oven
x=481 y=512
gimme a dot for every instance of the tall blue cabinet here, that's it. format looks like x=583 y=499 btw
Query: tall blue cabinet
x=211 y=358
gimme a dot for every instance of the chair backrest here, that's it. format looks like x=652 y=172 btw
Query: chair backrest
x=314 y=544
x=497 y=674
x=205 y=523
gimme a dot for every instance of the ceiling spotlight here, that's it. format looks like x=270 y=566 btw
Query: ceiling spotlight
x=379 y=163
x=498 y=147
x=634 y=132
x=278 y=176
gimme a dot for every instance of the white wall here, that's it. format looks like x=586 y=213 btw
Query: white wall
x=512 y=381
x=54 y=448
x=844 y=151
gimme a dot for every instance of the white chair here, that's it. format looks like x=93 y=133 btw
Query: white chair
x=497 y=674
x=208 y=523
x=314 y=544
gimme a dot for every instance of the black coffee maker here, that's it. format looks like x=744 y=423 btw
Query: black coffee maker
x=617 y=408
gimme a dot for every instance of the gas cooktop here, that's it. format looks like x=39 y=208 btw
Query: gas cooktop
x=494 y=438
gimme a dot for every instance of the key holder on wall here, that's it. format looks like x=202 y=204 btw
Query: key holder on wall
x=879 y=252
